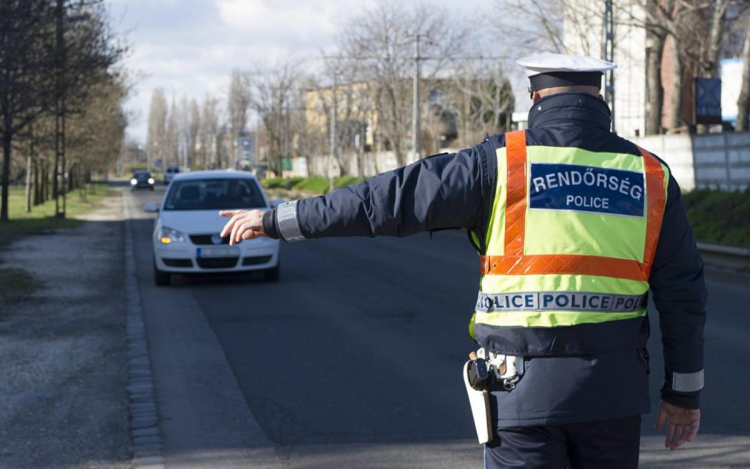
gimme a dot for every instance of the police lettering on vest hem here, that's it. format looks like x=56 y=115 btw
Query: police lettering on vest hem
x=559 y=301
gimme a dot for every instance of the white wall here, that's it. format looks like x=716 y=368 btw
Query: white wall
x=712 y=161
x=677 y=151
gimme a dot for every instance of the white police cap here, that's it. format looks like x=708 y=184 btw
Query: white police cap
x=550 y=70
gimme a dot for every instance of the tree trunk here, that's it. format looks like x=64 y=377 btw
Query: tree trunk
x=37 y=189
x=45 y=182
x=654 y=89
x=715 y=37
x=743 y=103
x=29 y=165
x=5 y=178
x=675 y=120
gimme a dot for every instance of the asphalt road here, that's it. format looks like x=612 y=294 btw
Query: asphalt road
x=353 y=360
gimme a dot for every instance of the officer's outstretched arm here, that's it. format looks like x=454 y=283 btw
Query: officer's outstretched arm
x=444 y=191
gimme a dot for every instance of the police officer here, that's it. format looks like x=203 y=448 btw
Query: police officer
x=574 y=225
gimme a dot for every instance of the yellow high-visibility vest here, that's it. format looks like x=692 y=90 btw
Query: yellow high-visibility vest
x=569 y=249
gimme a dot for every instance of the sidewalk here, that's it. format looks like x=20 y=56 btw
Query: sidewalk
x=63 y=401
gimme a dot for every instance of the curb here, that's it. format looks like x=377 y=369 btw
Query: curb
x=145 y=433
x=724 y=249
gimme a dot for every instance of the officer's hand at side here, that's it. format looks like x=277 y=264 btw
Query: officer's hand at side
x=682 y=424
x=244 y=224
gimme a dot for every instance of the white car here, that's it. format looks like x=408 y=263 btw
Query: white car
x=186 y=234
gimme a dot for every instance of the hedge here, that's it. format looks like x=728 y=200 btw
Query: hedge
x=719 y=217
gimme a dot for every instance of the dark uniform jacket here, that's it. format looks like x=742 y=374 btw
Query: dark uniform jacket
x=455 y=191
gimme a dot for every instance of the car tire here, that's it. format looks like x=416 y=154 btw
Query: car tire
x=273 y=274
x=152 y=188
x=161 y=278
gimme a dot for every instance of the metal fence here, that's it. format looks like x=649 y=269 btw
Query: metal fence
x=713 y=161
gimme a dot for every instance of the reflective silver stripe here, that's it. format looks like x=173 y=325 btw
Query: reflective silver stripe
x=286 y=218
x=687 y=382
x=559 y=301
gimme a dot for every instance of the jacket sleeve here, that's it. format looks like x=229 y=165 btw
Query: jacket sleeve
x=679 y=293
x=441 y=192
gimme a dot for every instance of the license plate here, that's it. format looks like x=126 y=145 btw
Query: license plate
x=222 y=251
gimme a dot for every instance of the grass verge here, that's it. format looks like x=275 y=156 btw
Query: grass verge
x=42 y=217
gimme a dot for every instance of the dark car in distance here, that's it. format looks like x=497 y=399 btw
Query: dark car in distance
x=142 y=180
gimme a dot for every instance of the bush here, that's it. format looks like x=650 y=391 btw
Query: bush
x=719 y=217
x=317 y=184
x=273 y=183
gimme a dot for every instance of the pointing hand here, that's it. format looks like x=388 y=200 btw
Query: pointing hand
x=244 y=224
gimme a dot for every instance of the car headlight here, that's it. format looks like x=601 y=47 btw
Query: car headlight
x=133 y=182
x=150 y=180
x=169 y=236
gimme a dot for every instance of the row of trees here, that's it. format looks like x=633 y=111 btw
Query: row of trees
x=367 y=84
x=359 y=99
x=689 y=37
x=60 y=95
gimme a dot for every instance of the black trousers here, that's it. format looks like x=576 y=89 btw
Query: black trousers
x=610 y=444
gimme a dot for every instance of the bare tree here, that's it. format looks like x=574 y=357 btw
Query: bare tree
x=482 y=99
x=383 y=41
x=195 y=123
x=208 y=133
x=171 y=137
x=743 y=103
x=238 y=102
x=157 y=127
x=273 y=92
x=44 y=68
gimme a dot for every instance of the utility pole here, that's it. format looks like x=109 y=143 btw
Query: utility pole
x=416 y=144
x=334 y=117
x=609 y=55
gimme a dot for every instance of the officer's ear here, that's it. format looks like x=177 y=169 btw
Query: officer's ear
x=536 y=96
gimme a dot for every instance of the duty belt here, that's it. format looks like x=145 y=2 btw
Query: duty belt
x=560 y=301
x=487 y=367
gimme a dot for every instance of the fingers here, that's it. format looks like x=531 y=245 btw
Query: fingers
x=670 y=435
x=235 y=229
x=660 y=419
x=244 y=227
x=677 y=438
x=235 y=214
x=251 y=234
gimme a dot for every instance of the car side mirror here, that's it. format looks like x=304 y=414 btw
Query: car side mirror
x=276 y=202
x=151 y=207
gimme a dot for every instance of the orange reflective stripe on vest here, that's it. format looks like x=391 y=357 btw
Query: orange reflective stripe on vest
x=514 y=262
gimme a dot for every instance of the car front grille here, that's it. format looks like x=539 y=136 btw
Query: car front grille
x=256 y=260
x=178 y=262
x=205 y=239
x=218 y=262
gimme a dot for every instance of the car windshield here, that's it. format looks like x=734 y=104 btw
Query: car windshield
x=142 y=176
x=214 y=194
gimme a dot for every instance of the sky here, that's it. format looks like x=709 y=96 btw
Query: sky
x=191 y=46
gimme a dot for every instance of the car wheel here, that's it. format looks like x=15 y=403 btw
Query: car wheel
x=273 y=274
x=161 y=278
x=152 y=188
